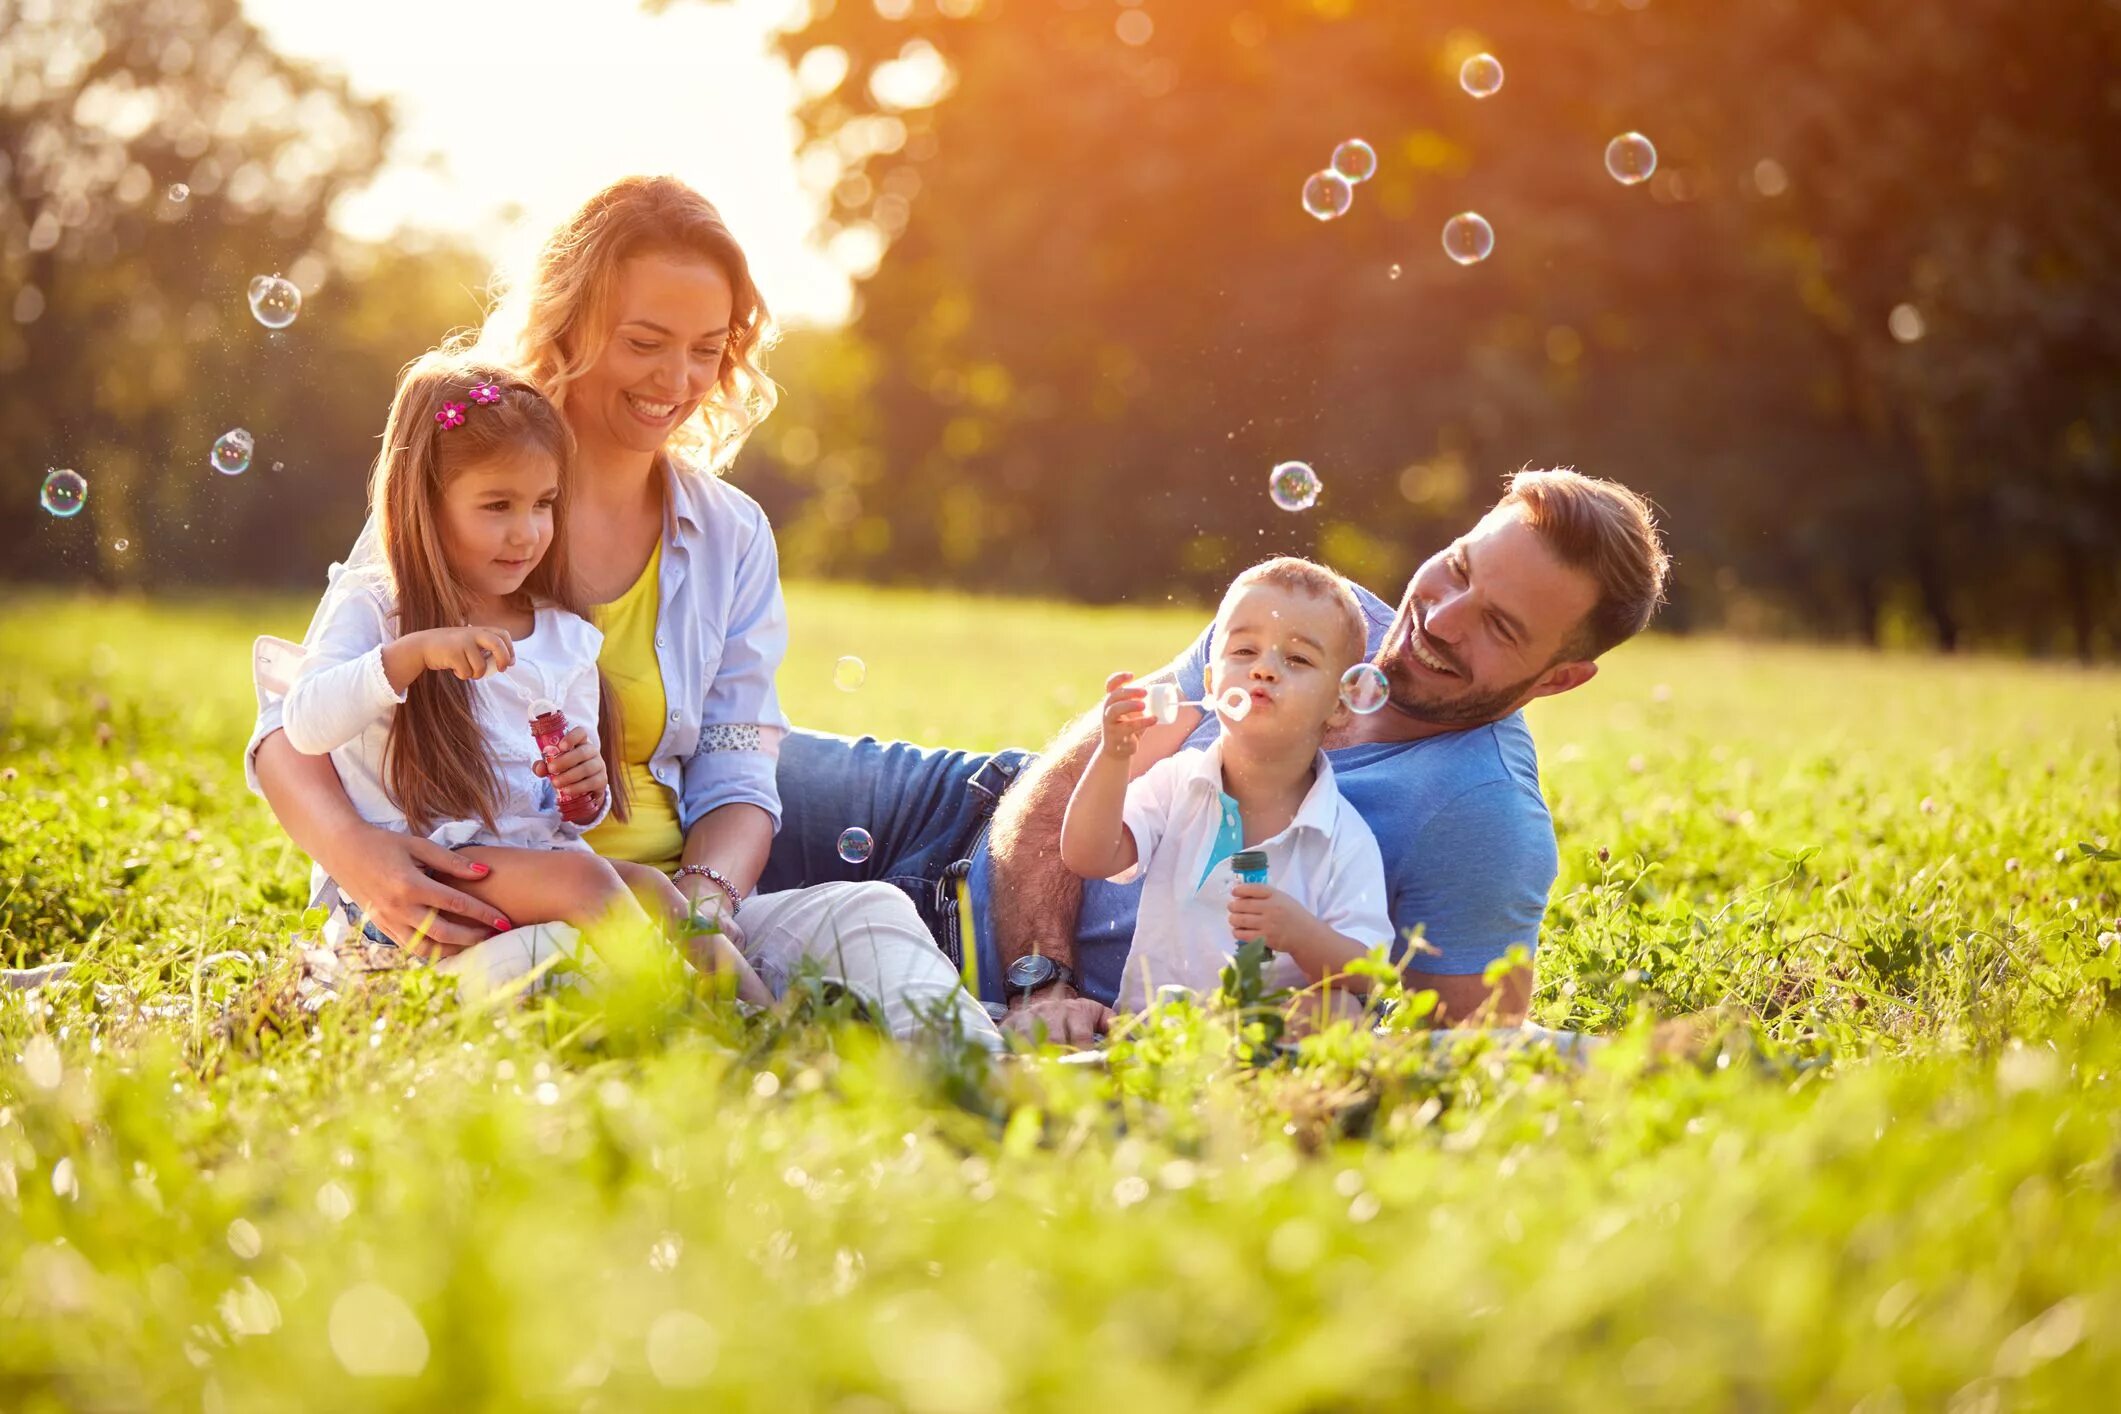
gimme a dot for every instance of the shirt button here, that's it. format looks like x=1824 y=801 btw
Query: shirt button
x=673 y=716
x=659 y=640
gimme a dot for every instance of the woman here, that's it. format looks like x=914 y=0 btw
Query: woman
x=641 y=323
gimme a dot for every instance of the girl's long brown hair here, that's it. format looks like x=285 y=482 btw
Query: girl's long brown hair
x=435 y=764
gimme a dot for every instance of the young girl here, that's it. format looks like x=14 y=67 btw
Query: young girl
x=424 y=672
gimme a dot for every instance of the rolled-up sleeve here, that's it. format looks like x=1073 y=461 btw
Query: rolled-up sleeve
x=741 y=723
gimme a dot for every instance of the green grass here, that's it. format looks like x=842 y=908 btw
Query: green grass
x=1858 y=1143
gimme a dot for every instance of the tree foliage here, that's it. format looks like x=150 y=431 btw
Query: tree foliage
x=1103 y=314
x=126 y=341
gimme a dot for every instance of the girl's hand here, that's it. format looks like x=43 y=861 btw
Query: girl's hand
x=1124 y=719
x=579 y=768
x=468 y=652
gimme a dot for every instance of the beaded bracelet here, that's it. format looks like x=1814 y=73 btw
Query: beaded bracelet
x=717 y=877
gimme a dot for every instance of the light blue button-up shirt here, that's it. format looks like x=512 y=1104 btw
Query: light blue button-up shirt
x=721 y=632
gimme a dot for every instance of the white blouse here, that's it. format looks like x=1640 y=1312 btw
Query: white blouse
x=341 y=702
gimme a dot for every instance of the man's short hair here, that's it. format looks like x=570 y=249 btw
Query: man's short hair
x=1301 y=576
x=1609 y=533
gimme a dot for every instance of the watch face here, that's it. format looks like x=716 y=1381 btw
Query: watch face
x=1032 y=971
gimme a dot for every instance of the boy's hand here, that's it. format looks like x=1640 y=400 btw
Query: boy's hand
x=579 y=768
x=468 y=652
x=1265 y=912
x=1124 y=719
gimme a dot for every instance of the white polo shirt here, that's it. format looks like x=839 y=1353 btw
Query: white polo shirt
x=1185 y=830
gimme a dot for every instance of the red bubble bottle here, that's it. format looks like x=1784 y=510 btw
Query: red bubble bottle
x=548 y=727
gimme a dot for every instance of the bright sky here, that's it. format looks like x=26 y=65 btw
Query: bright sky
x=536 y=103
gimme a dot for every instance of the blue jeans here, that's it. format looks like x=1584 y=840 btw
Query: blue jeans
x=927 y=810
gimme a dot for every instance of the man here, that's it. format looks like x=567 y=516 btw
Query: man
x=1563 y=568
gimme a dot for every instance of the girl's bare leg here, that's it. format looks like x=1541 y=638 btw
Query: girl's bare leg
x=550 y=886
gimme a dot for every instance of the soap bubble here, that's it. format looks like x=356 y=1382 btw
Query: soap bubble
x=1294 y=486
x=1906 y=324
x=1363 y=688
x=1481 y=75
x=849 y=673
x=1356 y=160
x=274 y=302
x=121 y=546
x=1468 y=238
x=856 y=845
x=1328 y=195
x=1393 y=273
x=1234 y=703
x=179 y=192
x=64 y=494
x=279 y=466
x=231 y=456
x=1631 y=158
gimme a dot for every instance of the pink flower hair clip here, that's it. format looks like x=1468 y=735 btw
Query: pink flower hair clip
x=451 y=415
x=486 y=394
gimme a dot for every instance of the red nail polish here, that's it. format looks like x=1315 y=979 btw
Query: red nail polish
x=482 y=868
x=503 y=924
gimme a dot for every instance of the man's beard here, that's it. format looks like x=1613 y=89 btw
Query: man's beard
x=1430 y=702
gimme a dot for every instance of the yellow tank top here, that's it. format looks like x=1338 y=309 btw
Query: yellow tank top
x=652 y=835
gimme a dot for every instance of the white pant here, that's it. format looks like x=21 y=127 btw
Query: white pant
x=866 y=937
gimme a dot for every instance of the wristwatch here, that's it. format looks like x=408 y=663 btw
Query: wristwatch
x=1034 y=970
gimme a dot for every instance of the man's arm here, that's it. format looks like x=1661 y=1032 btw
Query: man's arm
x=1459 y=999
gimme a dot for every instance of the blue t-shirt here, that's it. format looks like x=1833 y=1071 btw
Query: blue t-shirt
x=1467 y=841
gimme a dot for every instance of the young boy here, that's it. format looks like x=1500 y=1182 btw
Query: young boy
x=1286 y=632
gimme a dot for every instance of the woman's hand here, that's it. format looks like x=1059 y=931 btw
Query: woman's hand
x=708 y=907
x=400 y=882
x=579 y=767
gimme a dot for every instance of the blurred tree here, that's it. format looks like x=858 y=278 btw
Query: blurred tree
x=154 y=158
x=1858 y=335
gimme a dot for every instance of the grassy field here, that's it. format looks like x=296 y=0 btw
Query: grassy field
x=1857 y=1144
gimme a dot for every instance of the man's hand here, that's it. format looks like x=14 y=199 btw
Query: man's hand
x=1068 y=1018
x=1124 y=718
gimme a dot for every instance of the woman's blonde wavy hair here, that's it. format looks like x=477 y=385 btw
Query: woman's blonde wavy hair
x=558 y=321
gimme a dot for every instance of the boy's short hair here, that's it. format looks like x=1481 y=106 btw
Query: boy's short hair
x=1301 y=576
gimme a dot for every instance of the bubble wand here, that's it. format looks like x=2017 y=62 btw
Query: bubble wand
x=1164 y=701
x=548 y=728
